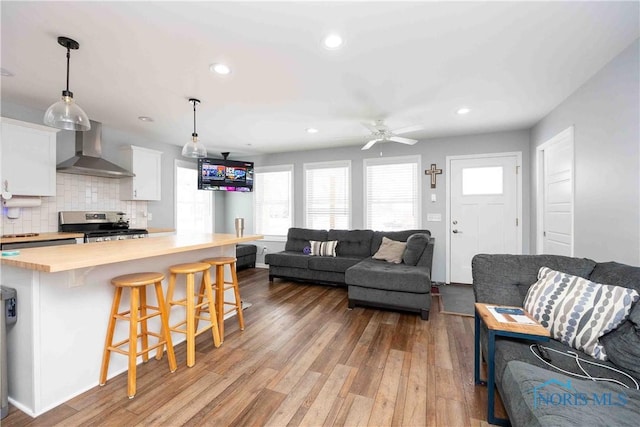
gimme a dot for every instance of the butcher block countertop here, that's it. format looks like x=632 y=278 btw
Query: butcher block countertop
x=38 y=237
x=71 y=257
x=152 y=230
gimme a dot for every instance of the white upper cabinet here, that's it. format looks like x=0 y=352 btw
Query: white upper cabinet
x=146 y=164
x=28 y=158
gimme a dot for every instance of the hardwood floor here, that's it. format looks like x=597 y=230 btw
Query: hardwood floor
x=303 y=359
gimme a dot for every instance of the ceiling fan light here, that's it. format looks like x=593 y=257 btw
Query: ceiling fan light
x=66 y=114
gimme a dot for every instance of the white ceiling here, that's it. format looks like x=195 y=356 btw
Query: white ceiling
x=407 y=62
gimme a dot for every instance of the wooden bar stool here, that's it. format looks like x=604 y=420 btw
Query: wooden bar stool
x=137 y=313
x=194 y=309
x=221 y=286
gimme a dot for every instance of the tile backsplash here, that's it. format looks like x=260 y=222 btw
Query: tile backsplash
x=75 y=193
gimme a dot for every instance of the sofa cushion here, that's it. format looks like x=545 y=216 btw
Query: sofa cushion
x=337 y=264
x=613 y=273
x=622 y=346
x=371 y=273
x=416 y=244
x=532 y=396
x=400 y=236
x=623 y=343
x=505 y=279
x=288 y=259
x=390 y=251
x=508 y=349
x=578 y=311
x=352 y=242
x=298 y=238
x=327 y=248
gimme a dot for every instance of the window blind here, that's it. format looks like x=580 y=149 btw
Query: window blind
x=327 y=195
x=392 y=196
x=273 y=200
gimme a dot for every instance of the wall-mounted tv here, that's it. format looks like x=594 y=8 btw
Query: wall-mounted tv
x=225 y=175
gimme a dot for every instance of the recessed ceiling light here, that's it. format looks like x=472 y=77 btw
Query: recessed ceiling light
x=6 y=73
x=463 y=110
x=312 y=130
x=332 y=41
x=145 y=119
x=220 y=69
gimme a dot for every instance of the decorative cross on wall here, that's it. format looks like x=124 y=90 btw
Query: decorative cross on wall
x=433 y=172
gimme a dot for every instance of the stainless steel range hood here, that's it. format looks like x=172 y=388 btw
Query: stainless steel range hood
x=88 y=159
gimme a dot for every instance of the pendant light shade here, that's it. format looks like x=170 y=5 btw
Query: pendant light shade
x=192 y=148
x=66 y=114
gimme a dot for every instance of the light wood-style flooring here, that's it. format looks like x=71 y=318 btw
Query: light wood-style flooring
x=303 y=359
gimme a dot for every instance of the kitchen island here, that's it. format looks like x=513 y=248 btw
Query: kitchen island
x=64 y=298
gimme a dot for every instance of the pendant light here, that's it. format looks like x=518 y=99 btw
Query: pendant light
x=192 y=148
x=66 y=114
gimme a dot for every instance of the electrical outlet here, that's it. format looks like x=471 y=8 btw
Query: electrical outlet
x=149 y=216
x=264 y=249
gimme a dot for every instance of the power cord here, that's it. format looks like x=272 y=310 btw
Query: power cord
x=544 y=358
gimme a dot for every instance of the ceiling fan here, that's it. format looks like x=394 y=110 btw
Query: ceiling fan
x=381 y=132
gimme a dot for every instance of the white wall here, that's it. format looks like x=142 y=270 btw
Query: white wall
x=605 y=112
x=430 y=150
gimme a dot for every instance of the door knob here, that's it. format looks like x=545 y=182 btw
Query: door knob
x=455 y=231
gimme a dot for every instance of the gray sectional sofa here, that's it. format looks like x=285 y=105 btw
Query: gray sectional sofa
x=535 y=394
x=370 y=282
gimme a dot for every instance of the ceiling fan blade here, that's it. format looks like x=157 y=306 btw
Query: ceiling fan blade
x=370 y=144
x=408 y=129
x=402 y=140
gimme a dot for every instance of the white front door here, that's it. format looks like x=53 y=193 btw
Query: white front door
x=555 y=195
x=484 y=212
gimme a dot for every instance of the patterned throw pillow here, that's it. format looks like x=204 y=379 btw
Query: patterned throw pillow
x=327 y=248
x=576 y=311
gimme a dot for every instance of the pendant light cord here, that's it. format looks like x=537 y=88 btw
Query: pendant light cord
x=194 y=134
x=68 y=60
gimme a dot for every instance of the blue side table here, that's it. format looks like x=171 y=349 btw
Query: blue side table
x=511 y=329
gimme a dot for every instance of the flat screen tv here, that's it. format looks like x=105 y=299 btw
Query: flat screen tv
x=225 y=175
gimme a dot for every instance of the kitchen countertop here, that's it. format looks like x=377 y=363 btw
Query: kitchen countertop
x=26 y=237
x=161 y=230
x=71 y=257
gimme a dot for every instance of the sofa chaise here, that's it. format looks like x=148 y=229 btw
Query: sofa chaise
x=537 y=394
x=371 y=282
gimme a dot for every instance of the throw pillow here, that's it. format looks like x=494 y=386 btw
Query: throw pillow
x=576 y=311
x=390 y=251
x=327 y=248
x=416 y=244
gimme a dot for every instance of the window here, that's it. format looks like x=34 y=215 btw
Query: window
x=484 y=180
x=273 y=199
x=392 y=193
x=327 y=195
x=194 y=208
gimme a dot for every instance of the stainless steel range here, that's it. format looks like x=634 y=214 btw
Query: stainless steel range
x=99 y=226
